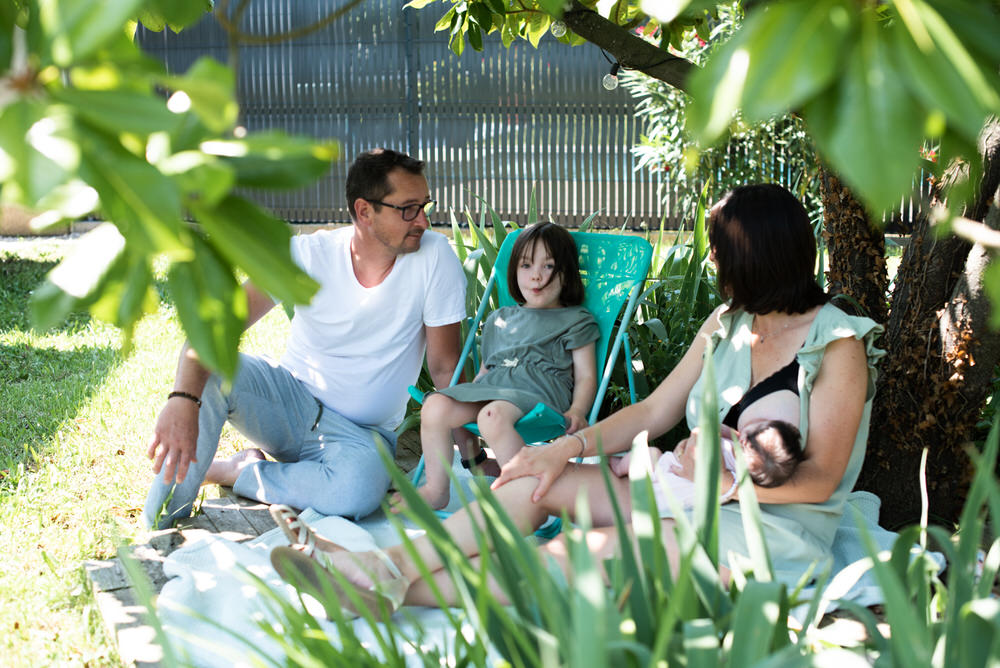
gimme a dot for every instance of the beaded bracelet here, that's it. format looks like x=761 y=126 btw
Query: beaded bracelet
x=184 y=395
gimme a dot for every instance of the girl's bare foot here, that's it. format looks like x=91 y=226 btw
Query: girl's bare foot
x=226 y=471
x=434 y=498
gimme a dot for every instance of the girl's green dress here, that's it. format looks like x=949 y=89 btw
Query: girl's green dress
x=529 y=355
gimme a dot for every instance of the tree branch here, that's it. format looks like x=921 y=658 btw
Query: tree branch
x=630 y=50
x=231 y=26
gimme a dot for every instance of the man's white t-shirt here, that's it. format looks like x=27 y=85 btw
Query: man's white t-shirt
x=356 y=348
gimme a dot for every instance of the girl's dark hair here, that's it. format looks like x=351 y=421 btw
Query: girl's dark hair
x=774 y=467
x=765 y=250
x=368 y=176
x=562 y=248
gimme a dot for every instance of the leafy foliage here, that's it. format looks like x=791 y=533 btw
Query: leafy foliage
x=85 y=129
x=872 y=81
x=775 y=150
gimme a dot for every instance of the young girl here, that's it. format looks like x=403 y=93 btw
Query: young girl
x=539 y=351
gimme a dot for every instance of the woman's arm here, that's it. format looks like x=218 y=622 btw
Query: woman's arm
x=835 y=409
x=656 y=414
x=584 y=387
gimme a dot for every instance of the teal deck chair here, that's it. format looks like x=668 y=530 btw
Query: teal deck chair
x=613 y=268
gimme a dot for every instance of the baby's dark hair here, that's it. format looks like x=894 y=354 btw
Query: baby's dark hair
x=772 y=467
x=563 y=250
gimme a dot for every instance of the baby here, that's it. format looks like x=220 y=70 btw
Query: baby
x=772 y=447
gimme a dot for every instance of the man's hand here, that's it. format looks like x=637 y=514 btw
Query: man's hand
x=175 y=438
x=574 y=421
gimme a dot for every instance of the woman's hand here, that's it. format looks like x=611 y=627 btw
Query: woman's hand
x=545 y=462
x=575 y=421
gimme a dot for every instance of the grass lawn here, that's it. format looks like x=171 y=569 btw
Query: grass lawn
x=75 y=417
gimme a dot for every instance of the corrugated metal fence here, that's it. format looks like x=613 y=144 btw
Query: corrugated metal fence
x=494 y=124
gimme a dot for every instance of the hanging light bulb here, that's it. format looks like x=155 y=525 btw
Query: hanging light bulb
x=558 y=28
x=610 y=80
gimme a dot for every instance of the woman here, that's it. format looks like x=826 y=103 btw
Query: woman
x=777 y=316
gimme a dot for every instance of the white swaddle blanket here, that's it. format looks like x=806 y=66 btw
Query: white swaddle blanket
x=207 y=580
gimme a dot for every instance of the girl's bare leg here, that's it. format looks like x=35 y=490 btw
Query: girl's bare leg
x=438 y=417
x=496 y=424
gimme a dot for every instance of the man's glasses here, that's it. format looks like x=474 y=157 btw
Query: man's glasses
x=410 y=211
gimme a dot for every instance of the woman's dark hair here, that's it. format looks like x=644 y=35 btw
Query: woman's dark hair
x=561 y=247
x=368 y=177
x=765 y=251
x=774 y=466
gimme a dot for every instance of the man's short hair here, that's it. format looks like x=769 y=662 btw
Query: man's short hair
x=368 y=177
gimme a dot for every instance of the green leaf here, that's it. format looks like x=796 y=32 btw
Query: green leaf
x=475 y=37
x=783 y=55
x=120 y=110
x=418 y=4
x=866 y=126
x=274 y=159
x=701 y=644
x=127 y=293
x=457 y=43
x=980 y=633
x=211 y=306
x=945 y=76
x=481 y=16
x=553 y=7
x=75 y=282
x=143 y=203
x=200 y=177
x=8 y=20
x=508 y=31
x=37 y=151
x=259 y=244
x=178 y=14
x=757 y=619
x=976 y=25
x=447 y=21
x=536 y=27
x=211 y=88
x=77 y=28
x=497 y=6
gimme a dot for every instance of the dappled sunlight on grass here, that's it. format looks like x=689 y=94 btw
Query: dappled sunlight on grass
x=75 y=420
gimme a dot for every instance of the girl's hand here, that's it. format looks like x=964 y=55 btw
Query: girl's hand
x=574 y=421
x=545 y=462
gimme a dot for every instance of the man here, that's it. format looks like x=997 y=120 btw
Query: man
x=389 y=288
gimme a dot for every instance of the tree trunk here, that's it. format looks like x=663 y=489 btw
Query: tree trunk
x=939 y=369
x=856 y=249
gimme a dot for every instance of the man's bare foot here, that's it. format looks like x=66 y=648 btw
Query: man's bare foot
x=434 y=498
x=226 y=471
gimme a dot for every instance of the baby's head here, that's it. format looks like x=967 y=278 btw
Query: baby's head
x=773 y=450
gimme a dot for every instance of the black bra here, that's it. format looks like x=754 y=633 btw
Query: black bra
x=786 y=378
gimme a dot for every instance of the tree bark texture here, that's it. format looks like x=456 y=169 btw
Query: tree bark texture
x=939 y=367
x=856 y=249
x=630 y=50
